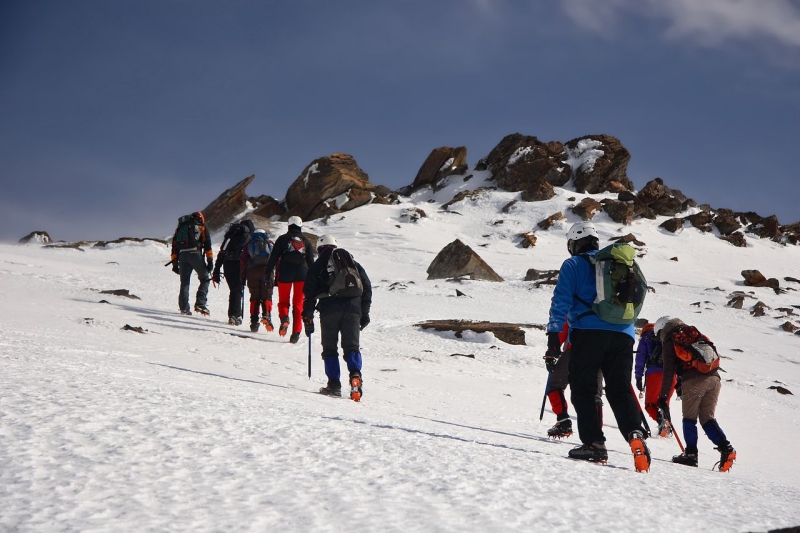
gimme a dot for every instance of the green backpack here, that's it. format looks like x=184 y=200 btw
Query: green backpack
x=621 y=286
x=187 y=236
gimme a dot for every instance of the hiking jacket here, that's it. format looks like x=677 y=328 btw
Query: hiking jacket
x=647 y=342
x=204 y=238
x=245 y=264
x=317 y=283
x=672 y=364
x=290 y=273
x=576 y=279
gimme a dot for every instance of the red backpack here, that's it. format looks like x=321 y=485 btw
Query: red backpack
x=695 y=349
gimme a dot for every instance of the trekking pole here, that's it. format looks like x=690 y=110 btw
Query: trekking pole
x=546 y=388
x=645 y=425
x=241 y=315
x=309 y=357
x=672 y=429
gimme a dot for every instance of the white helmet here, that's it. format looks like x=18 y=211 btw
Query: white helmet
x=297 y=221
x=660 y=323
x=259 y=231
x=580 y=230
x=326 y=240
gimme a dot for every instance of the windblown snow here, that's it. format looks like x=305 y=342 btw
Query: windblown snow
x=195 y=425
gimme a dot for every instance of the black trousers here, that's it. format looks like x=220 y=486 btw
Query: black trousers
x=231 y=269
x=335 y=322
x=611 y=352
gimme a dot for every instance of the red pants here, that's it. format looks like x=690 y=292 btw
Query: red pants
x=652 y=388
x=297 y=303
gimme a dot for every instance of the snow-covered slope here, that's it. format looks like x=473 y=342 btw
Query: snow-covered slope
x=197 y=425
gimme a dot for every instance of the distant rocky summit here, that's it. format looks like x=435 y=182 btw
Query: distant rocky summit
x=36 y=237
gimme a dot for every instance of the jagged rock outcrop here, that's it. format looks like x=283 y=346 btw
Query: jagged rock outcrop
x=598 y=163
x=524 y=163
x=661 y=199
x=459 y=260
x=630 y=238
x=474 y=195
x=527 y=239
x=767 y=228
x=36 y=237
x=267 y=207
x=549 y=221
x=227 y=205
x=702 y=221
x=330 y=185
x=620 y=212
x=673 y=225
x=442 y=162
x=736 y=239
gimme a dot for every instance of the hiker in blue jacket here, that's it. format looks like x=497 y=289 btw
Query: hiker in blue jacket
x=596 y=345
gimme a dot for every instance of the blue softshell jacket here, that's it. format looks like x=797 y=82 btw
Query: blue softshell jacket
x=576 y=278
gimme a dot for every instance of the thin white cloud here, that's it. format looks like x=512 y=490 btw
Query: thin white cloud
x=706 y=22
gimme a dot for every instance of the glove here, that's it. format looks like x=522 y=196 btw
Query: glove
x=639 y=384
x=175 y=267
x=308 y=322
x=210 y=264
x=215 y=281
x=550 y=362
x=664 y=407
x=679 y=387
x=364 y=321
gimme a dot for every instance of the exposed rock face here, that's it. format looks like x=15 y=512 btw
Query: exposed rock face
x=473 y=195
x=754 y=278
x=227 y=205
x=726 y=222
x=587 y=208
x=620 y=212
x=630 y=238
x=38 y=237
x=661 y=199
x=441 y=162
x=672 y=225
x=768 y=228
x=736 y=239
x=267 y=207
x=702 y=220
x=549 y=221
x=599 y=163
x=330 y=185
x=528 y=239
x=542 y=277
x=459 y=260
x=412 y=214
x=524 y=163
x=504 y=331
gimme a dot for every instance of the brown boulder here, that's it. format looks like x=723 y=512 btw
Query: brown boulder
x=630 y=238
x=736 y=239
x=412 y=214
x=701 y=220
x=504 y=331
x=473 y=195
x=528 y=239
x=661 y=199
x=227 y=205
x=327 y=186
x=267 y=207
x=672 y=225
x=726 y=224
x=791 y=233
x=441 y=162
x=620 y=212
x=788 y=326
x=754 y=278
x=596 y=161
x=543 y=276
x=521 y=162
x=549 y=221
x=537 y=191
x=768 y=228
x=459 y=260
x=587 y=208
x=37 y=237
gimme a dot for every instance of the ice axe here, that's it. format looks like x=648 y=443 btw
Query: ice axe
x=544 y=400
x=309 y=356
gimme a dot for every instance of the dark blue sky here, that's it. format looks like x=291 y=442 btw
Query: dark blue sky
x=118 y=117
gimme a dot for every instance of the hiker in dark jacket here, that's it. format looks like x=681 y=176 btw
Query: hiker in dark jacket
x=337 y=315
x=187 y=257
x=649 y=372
x=252 y=265
x=293 y=255
x=234 y=241
x=700 y=395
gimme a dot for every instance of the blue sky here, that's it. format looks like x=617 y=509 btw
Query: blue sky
x=118 y=117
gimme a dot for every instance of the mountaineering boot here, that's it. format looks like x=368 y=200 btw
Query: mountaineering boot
x=355 y=387
x=186 y=312
x=295 y=336
x=254 y=323
x=333 y=388
x=234 y=321
x=641 y=453
x=561 y=430
x=727 y=457
x=267 y=321
x=688 y=458
x=202 y=309
x=595 y=453
x=664 y=428
x=284 y=326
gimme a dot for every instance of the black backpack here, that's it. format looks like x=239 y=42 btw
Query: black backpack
x=295 y=252
x=656 y=357
x=187 y=235
x=344 y=280
x=234 y=241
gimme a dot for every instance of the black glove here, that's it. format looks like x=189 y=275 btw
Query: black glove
x=679 y=387
x=639 y=384
x=209 y=264
x=664 y=407
x=175 y=267
x=364 y=321
x=553 y=345
x=550 y=362
x=308 y=322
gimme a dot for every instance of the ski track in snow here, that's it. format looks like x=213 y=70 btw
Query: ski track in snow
x=197 y=425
